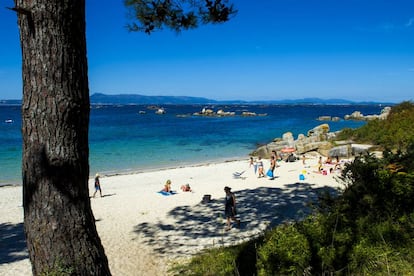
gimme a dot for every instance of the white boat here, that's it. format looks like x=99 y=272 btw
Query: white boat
x=160 y=111
x=9 y=121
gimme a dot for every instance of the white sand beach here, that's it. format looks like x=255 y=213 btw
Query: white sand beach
x=143 y=232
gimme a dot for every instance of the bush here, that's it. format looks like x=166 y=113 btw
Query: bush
x=284 y=251
x=218 y=261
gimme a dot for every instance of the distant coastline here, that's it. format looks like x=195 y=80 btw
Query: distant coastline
x=99 y=98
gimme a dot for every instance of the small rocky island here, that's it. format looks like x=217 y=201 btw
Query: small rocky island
x=358 y=116
x=221 y=113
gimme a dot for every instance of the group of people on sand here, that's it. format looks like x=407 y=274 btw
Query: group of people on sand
x=328 y=165
x=259 y=167
x=167 y=187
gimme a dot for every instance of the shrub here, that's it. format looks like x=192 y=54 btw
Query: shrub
x=284 y=251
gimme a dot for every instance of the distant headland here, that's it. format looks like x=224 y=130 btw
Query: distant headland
x=99 y=98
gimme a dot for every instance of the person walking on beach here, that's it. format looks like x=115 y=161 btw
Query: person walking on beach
x=253 y=164
x=230 y=208
x=260 y=167
x=97 y=186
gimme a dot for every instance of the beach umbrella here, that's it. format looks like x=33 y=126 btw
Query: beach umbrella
x=288 y=150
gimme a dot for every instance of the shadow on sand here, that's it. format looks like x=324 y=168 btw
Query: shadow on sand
x=12 y=243
x=192 y=228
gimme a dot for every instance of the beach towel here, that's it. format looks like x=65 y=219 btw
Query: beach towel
x=164 y=193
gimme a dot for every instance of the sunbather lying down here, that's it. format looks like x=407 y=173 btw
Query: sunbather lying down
x=186 y=188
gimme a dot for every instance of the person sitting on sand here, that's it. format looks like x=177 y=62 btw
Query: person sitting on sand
x=167 y=186
x=186 y=188
x=328 y=160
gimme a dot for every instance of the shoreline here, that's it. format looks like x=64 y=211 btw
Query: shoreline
x=150 y=169
x=144 y=232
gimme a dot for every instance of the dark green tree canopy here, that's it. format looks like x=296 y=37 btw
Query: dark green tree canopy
x=149 y=15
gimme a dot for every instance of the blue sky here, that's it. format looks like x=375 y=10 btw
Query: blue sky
x=361 y=50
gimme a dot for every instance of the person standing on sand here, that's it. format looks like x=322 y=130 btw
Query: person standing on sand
x=230 y=208
x=274 y=153
x=260 y=167
x=272 y=166
x=253 y=164
x=97 y=186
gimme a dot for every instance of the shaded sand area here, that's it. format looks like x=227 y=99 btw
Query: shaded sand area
x=143 y=231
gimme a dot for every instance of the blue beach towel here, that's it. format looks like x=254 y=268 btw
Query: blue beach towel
x=164 y=193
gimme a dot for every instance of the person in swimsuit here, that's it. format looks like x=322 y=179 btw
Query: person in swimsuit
x=260 y=168
x=97 y=186
x=272 y=167
x=167 y=186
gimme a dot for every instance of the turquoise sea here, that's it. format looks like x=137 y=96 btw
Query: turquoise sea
x=122 y=139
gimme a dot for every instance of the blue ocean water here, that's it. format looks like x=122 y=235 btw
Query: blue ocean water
x=121 y=140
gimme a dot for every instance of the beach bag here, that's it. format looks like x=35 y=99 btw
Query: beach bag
x=206 y=199
x=269 y=173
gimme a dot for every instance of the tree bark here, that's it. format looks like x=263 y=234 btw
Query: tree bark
x=59 y=224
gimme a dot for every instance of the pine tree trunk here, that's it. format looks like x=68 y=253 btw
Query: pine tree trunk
x=59 y=224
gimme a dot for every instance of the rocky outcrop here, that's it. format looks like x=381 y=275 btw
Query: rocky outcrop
x=349 y=149
x=221 y=113
x=328 y=118
x=320 y=130
x=357 y=115
x=317 y=140
x=210 y=112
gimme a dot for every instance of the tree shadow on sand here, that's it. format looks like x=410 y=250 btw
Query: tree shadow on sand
x=12 y=243
x=197 y=227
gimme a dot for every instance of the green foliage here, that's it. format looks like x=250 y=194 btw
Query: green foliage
x=285 y=251
x=59 y=269
x=216 y=261
x=396 y=132
x=148 y=15
x=377 y=188
x=381 y=259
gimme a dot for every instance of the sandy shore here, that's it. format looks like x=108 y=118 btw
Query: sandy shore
x=143 y=231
